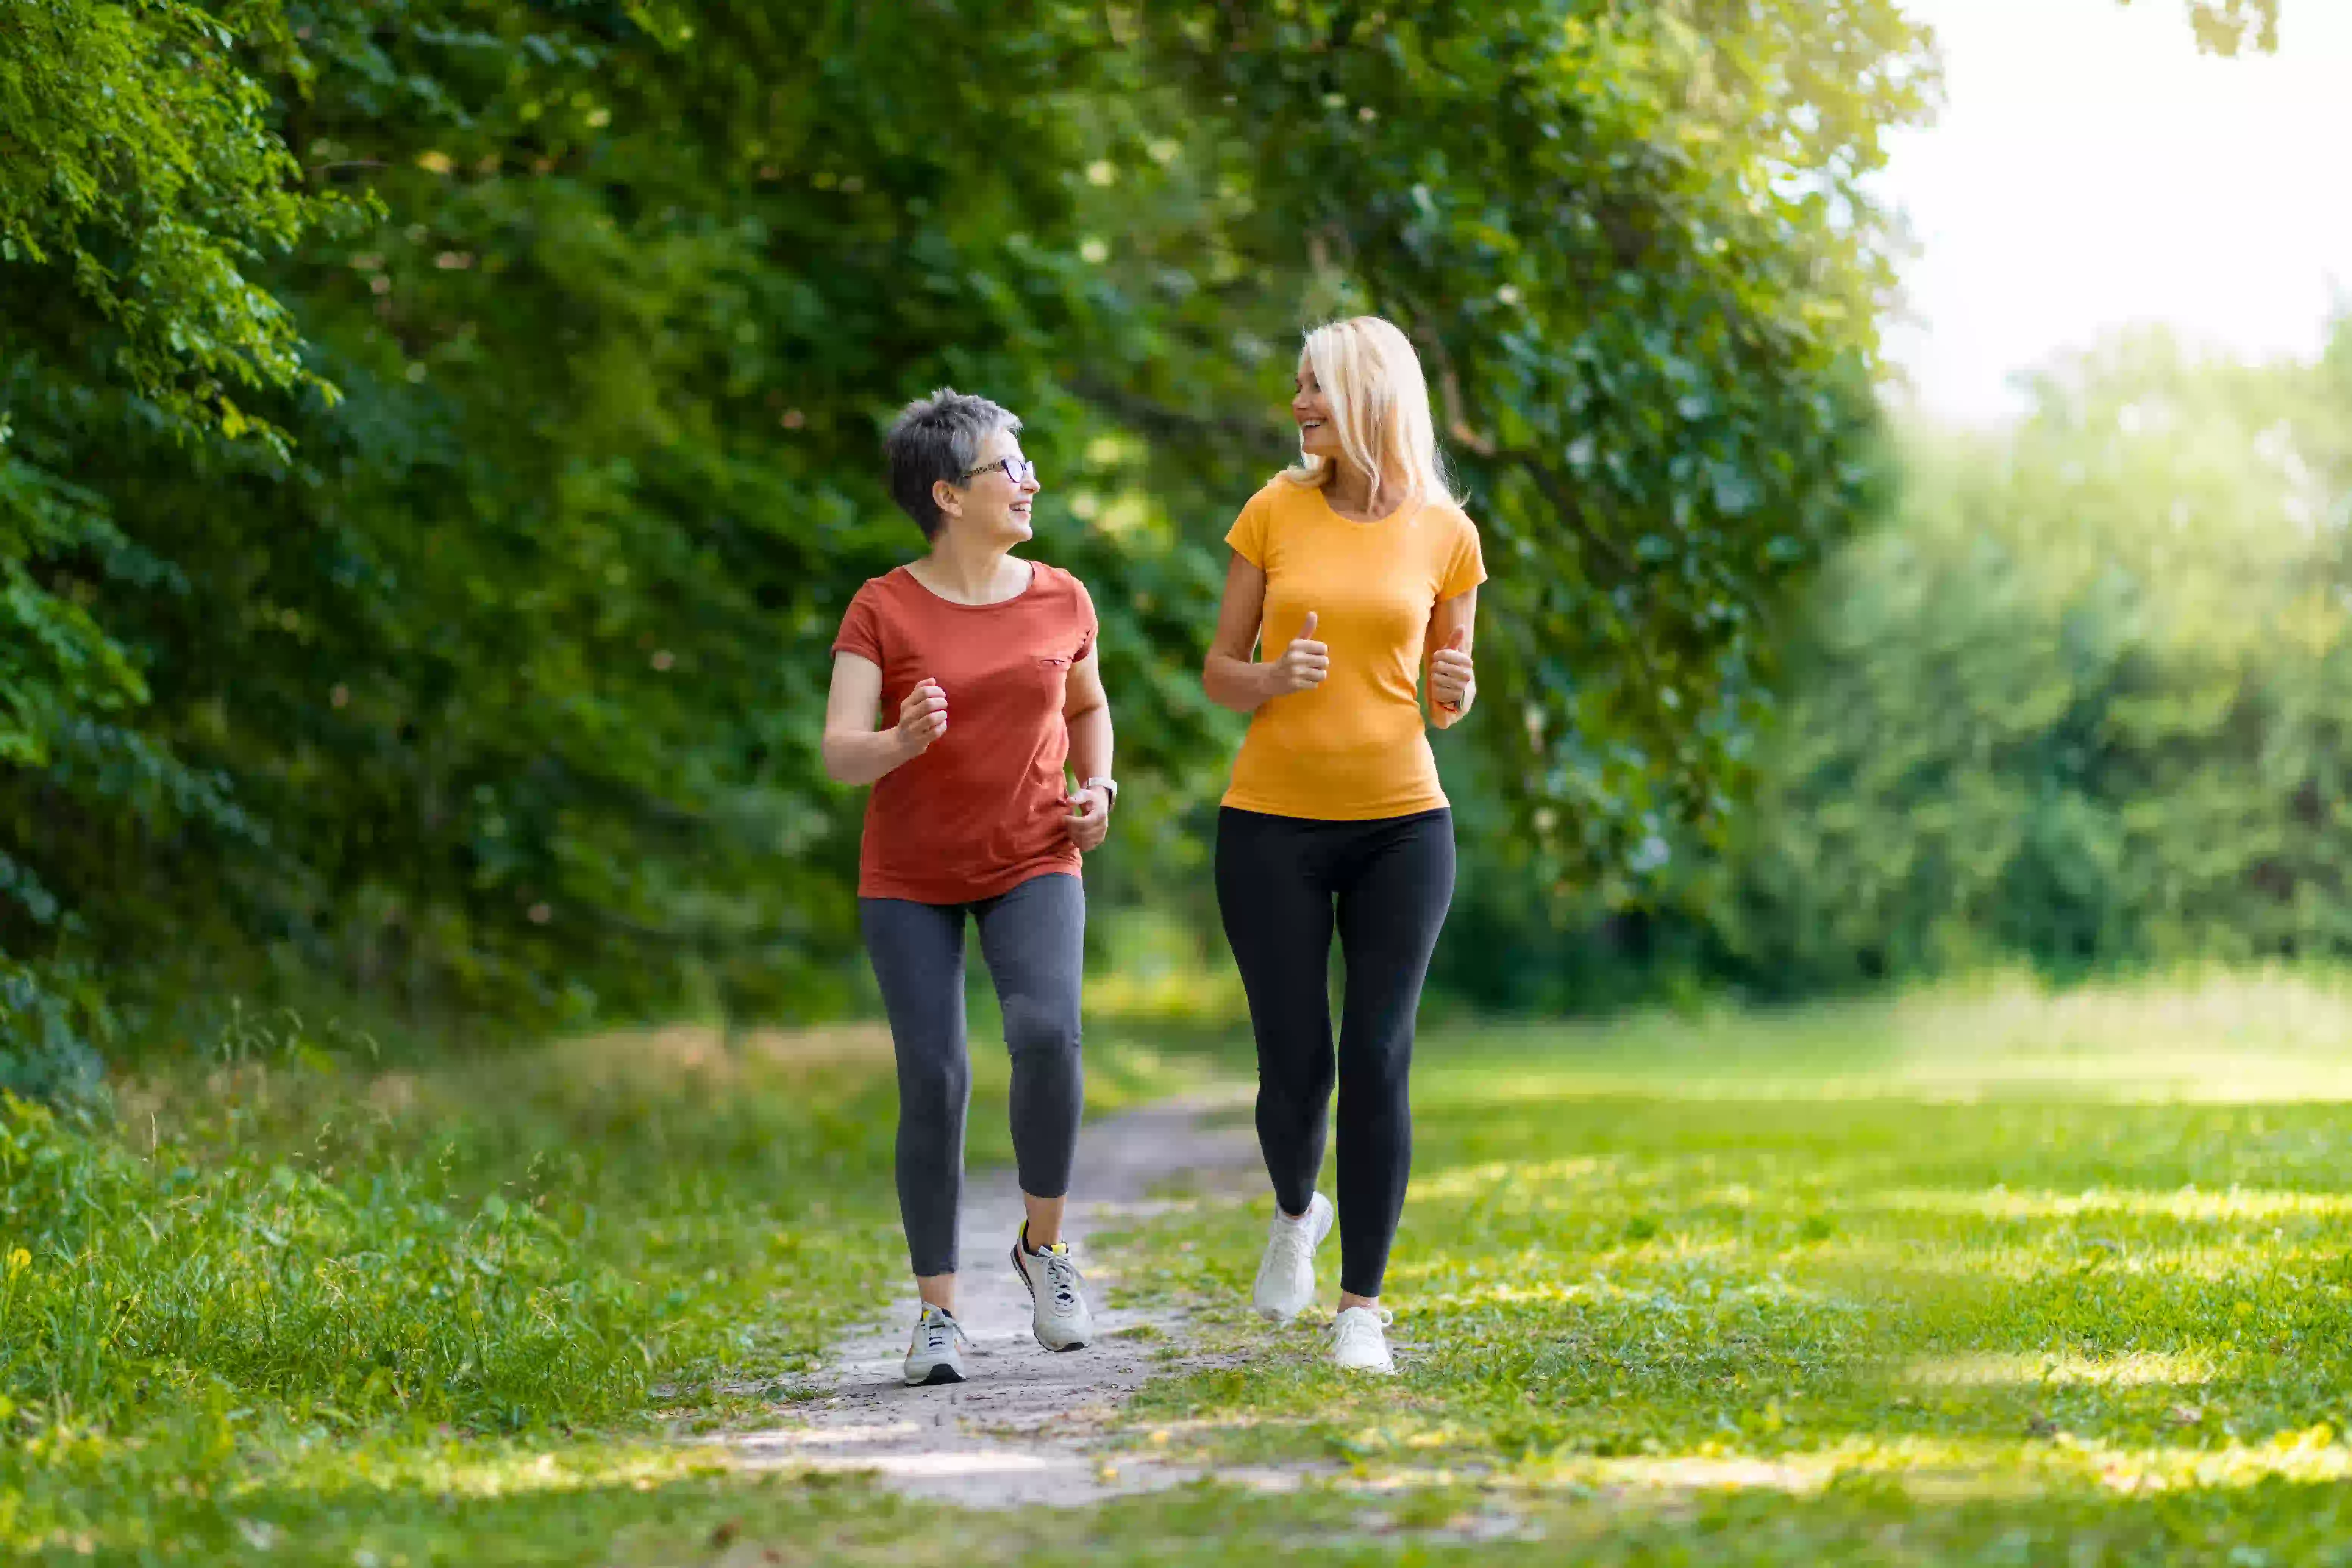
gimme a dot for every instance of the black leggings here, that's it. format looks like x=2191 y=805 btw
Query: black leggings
x=1278 y=881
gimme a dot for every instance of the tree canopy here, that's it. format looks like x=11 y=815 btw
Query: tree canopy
x=2084 y=704
x=2077 y=703
x=441 y=437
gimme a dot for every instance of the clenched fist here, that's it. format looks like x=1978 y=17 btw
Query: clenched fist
x=1451 y=675
x=1302 y=665
x=1090 y=822
x=922 y=717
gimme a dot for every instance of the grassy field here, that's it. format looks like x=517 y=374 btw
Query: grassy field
x=1978 y=1276
x=1974 y=1276
x=290 y=1302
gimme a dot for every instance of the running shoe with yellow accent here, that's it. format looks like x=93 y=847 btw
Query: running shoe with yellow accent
x=1057 y=1296
x=936 y=1353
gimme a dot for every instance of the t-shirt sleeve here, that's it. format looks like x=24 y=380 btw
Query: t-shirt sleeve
x=861 y=628
x=1247 y=535
x=1465 y=565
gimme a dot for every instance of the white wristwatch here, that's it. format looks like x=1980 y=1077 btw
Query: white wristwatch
x=1108 y=786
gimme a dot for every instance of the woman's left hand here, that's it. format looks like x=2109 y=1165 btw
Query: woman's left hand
x=1090 y=823
x=1451 y=674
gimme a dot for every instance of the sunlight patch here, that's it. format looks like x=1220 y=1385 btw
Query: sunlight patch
x=2313 y=1455
x=1956 y=1470
x=1673 y=1296
x=1993 y=1370
x=1691 y=1472
x=2186 y=1204
x=2249 y=1269
x=631 y=1056
x=1940 y=1468
x=453 y=1471
x=1470 y=1181
x=2211 y=1075
x=2261 y=1036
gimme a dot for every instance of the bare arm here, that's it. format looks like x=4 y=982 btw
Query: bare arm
x=1447 y=674
x=854 y=751
x=1086 y=709
x=1231 y=677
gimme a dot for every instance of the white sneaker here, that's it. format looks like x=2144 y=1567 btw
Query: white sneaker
x=1058 y=1298
x=1286 y=1275
x=936 y=1354
x=1360 y=1341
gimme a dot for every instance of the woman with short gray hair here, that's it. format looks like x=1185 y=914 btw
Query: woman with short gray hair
x=982 y=669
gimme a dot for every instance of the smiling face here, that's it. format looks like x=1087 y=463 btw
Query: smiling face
x=1361 y=406
x=1310 y=406
x=990 y=505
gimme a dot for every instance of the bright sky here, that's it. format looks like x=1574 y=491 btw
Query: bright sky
x=2091 y=169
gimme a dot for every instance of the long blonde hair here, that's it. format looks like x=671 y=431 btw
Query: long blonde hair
x=1380 y=403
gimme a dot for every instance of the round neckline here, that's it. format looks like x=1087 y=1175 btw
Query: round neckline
x=937 y=597
x=1324 y=495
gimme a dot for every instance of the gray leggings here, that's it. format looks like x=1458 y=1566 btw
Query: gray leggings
x=1034 y=941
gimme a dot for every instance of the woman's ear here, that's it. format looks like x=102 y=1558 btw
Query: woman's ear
x=947 y=497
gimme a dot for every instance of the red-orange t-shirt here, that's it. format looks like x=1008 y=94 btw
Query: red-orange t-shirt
x=986 y=807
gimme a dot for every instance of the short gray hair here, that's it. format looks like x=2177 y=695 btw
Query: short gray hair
x=934 y=438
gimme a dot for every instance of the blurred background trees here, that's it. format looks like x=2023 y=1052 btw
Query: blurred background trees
x=440 y=439
x=2079 y=701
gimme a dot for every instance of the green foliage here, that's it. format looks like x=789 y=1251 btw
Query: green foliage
x=277 y=1251
x=286 y=1289
x=1977 y=1275
x=490 y=686
x=145 y=179
x=1636 y=249
x=2077 y=703
x=53 y=1016
x=142 y=184
x=2083 y=704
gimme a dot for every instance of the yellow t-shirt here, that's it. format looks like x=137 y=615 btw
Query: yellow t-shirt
x=1355 y=748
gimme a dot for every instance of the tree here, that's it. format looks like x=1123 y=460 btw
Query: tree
x=489 y=685
x=1635 y=246
x=142 y=183
x=2083 y=704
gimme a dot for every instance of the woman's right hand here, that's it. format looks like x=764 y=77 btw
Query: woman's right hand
x=1302 y=665
x=922 y=717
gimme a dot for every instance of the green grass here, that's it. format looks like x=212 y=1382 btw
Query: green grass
x=1975 y=1276
x=288 y=1299
x=1971 y=1275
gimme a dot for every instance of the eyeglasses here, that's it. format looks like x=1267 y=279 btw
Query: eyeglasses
x=1020 y=470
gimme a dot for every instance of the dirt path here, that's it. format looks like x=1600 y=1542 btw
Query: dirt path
x=1020 y=1430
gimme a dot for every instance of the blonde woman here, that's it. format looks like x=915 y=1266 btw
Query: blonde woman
x=1359 y=571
